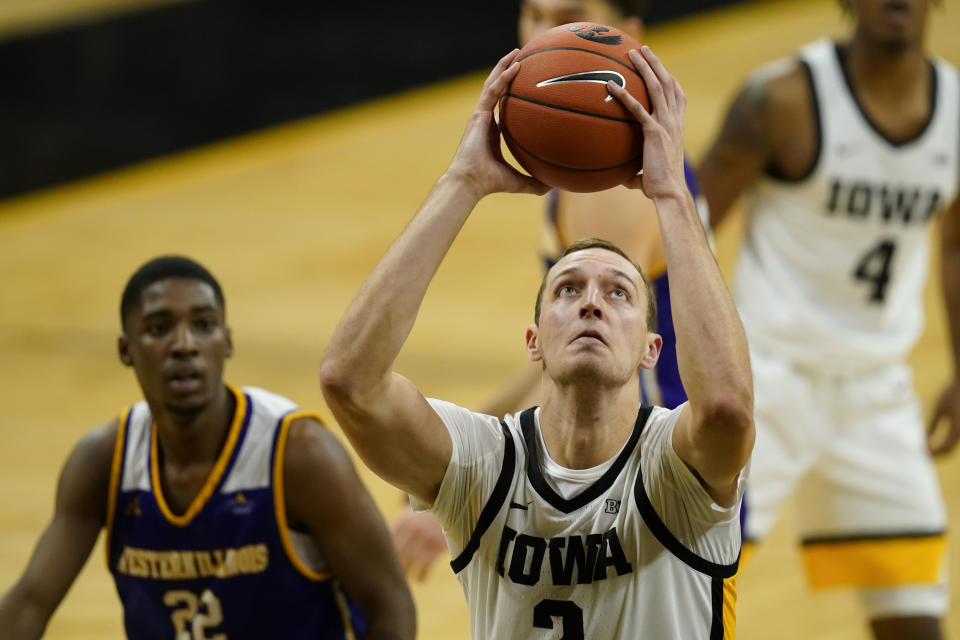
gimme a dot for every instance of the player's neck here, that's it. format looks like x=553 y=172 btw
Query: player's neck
x=196 y=438
x=876 y=68
x=585 y=430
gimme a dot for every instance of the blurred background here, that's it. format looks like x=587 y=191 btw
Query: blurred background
x=285 y=145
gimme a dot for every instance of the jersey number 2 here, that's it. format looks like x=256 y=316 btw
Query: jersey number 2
x=188 y=611
x=569 y=613
x=874 y=267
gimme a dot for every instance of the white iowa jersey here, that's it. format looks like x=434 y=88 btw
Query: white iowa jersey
x=833 y=267
x=639 y=552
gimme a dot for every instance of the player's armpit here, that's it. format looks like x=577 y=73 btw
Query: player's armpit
x=324 y=493
x=66 y=543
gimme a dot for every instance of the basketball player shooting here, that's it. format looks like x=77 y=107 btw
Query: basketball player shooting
x=590 y=515
x=621 y=215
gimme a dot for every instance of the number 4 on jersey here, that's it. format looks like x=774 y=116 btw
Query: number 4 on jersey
x=874 y=268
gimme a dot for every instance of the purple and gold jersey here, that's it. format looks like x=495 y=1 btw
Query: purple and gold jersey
x=230 y=566
x=662 y=385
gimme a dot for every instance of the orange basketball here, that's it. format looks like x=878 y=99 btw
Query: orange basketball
x=557 y=117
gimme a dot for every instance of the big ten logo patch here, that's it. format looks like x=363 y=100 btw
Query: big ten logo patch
x=611 y=506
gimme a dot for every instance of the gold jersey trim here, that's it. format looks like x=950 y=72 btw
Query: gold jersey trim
x=344 y=609
x=279 y=500
x=730 y=608
x=875 y=562
x=215 y=474
x=115 y=467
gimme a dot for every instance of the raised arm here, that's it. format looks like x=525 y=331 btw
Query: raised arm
x=714 y=433
x=66 y=543
x=383 y=414
x=323 y=492
x=945 y=424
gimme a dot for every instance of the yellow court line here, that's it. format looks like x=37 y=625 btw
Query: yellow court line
x=19 y=18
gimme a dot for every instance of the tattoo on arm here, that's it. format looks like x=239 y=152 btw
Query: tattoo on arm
x=746 y=124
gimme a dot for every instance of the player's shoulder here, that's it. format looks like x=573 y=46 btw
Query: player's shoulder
x=781 y=83
x=662 y=417
x=946 y=70
x=269 y=401
x=309 y=442
x=773 y=101
x=85 y=477
x=453 y=415
x=660 y=423
x=943 y=63
x=96 y=447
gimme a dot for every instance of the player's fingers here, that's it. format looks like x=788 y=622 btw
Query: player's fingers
x=665 y=77
x=498 y=80
x=933 y=429
x=426 y=562
x=406 y=562
x=951 y=440
x=636 y=182
x=502 y=63
x=943 y=432
x=628 y=101
x=947 y=442
x=658 y=100
x=938 y=413
x=527 y=184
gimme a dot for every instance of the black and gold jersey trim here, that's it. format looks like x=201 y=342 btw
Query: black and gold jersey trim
x=594 y=491
x=494 y=504
x=670 y=542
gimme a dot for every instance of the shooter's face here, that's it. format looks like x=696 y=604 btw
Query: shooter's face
x=593 y=324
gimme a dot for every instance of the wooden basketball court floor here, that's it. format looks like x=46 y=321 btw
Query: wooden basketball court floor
x=291 y=220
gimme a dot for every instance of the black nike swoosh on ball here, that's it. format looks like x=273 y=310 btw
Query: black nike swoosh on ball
x=587 y=76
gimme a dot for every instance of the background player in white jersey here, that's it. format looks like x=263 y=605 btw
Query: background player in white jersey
x=228 y=511
x=846 y=154
x=590 y=516
x=621 y=215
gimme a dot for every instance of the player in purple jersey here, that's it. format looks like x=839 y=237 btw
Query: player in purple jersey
x=620 y=215
x=229 y=512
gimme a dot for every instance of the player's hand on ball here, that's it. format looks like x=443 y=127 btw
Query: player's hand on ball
x=479 y=160
x=942 y=438
x=662 y=173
